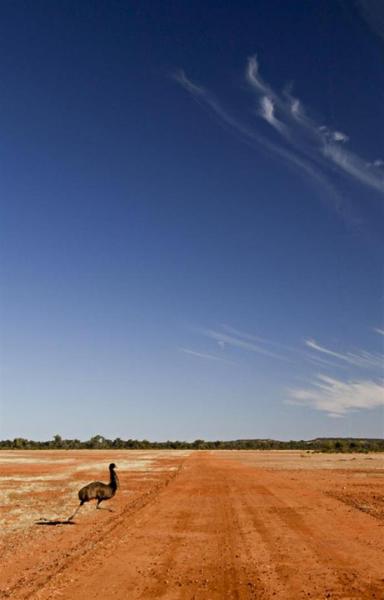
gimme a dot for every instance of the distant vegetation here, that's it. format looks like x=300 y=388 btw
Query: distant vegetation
x=99 y=442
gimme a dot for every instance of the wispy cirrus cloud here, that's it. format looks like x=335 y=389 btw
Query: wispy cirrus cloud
x=231 y=337
x=249 y=135
x=360 y=389
x=251 y=336
x=323 y=362
x=205 y=98
x=333 y=395
x=267 y=112
x=236 y=341
x=379 y=331
x=312 y=147
x=205 y=355
x=336 y=398
x=358 y=359
x=311 y=139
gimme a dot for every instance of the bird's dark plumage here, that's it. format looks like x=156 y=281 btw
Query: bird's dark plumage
x=97 y=490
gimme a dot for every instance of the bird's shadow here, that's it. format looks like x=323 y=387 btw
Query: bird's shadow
x=43 y=521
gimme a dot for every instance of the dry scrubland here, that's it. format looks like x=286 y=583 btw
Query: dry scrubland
x=194 y=525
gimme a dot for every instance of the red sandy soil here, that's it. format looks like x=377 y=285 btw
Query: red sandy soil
x=210 y=526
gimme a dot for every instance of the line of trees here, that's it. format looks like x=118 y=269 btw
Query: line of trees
x=99 y=442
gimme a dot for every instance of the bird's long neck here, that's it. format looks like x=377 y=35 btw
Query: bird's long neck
x=114 y=480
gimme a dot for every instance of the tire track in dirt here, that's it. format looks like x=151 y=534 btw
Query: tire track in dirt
x=325 y=551
x=242 y=577
x=344 y=579
x=265 y=562
x=288 y=553
x=262 y=562
x=287 y=530
x=215 y=538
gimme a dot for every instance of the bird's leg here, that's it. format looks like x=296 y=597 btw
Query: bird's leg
x=75 y=513
x=103 y=507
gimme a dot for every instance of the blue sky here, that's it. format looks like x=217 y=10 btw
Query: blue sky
x=192 y=219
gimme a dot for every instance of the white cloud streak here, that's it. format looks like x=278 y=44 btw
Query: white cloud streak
x=267 y=112
x=205 y=98
x=310 y=139
x=254 y=139
x=202 y=354
x=338 y=136
x=354 y=166
x=232 y=337
x=337 y=398
x=362 y=359
x=311 y=147
x=323 y=361
x=257 y=338
x=224 y=339
x=379 y=331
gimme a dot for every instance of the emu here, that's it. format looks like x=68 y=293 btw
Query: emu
x=98 y=491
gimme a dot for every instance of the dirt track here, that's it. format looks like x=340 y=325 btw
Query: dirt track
x=218 y=526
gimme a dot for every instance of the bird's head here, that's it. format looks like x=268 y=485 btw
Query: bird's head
x=112 y=466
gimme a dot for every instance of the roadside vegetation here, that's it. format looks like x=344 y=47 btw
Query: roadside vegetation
x=99 y=442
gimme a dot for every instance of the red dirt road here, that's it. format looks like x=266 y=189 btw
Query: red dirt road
x=219 y=527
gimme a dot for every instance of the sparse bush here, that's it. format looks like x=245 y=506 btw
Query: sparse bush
x=100 y=442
